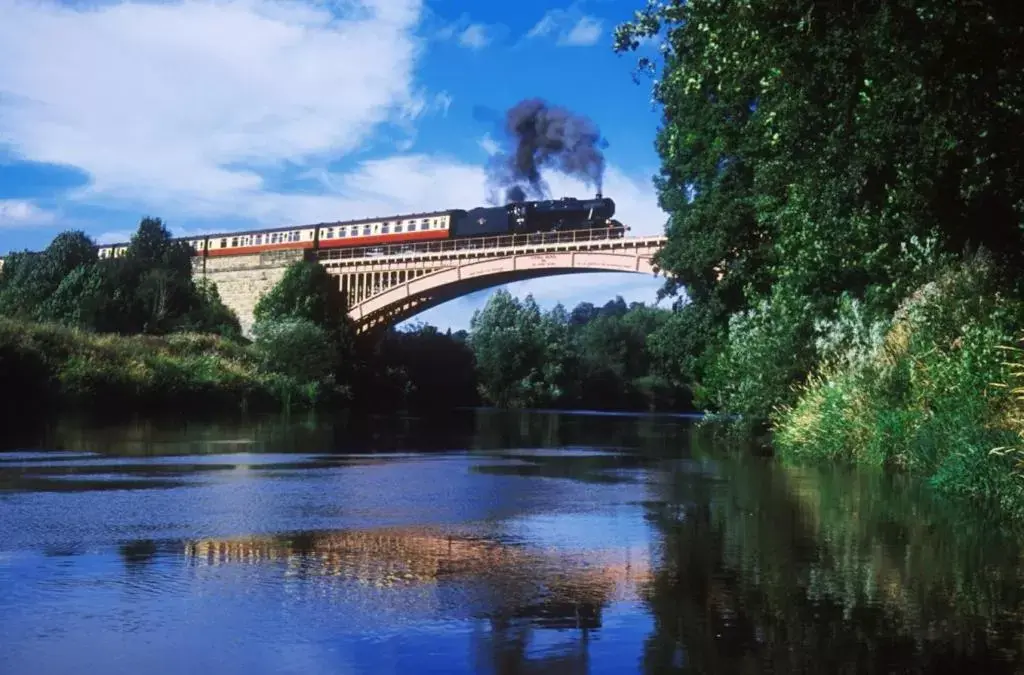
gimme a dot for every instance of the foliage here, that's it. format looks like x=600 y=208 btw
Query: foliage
x=302 y=329
x=149 y=290
x=420 y=368
x=916 y=394
x=820 y=155
x=297 y=348
x=306 y=291
x=519 y=363
x=56 y=365
x=590 y=357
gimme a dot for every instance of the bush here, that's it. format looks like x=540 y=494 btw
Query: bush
x=917 y=394
x=297 y=348
x=768 y=350
x=55 y=364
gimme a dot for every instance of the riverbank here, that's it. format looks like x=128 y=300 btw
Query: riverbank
x=929 y=392
x=49 y=365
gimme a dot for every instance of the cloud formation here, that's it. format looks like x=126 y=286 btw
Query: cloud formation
x=570 y=27
x=21 y=213
x=161 y=106
x=474 y=36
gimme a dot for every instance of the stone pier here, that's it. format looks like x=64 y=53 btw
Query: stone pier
x=242 y=280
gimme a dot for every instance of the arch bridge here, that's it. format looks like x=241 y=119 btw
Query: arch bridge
x=387 y=285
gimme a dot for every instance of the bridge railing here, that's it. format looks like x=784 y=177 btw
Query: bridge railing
x=469 y=244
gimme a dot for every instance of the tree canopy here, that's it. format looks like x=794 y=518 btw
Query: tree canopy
x=815 y=151
x=148 y=290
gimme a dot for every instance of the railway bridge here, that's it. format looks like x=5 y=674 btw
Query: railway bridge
x=387 y=284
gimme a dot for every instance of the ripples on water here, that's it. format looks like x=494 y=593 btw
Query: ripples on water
x=480 y=542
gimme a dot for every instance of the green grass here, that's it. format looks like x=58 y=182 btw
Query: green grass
x=928 y=399
x=44 y=364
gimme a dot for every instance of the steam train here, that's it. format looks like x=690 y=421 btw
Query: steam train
x=514 y=218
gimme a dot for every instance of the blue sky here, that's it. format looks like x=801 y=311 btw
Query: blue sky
x=215 y=114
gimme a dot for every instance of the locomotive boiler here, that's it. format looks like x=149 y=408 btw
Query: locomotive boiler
x=551 y=215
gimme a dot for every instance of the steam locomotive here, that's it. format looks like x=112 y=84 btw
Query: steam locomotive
x=514 y=218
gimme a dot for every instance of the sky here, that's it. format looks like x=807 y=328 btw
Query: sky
x=223 y=114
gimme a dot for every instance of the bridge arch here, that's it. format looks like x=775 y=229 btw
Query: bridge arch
x=402 y=301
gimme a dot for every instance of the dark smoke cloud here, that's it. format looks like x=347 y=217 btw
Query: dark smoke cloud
x=539 y=136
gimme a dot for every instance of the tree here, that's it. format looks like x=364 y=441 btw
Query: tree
x=148 y=290
x=804 y=147
x=518 y=353
x=306 y=291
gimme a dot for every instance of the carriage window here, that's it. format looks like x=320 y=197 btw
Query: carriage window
x=330 y=233
x=398 y=228
x=385 y=229
x=423 y=225
x=366 y=230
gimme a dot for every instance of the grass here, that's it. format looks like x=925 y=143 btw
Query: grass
x=929 y=398
x=50 y=365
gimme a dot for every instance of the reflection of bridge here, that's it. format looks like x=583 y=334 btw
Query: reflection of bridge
x=387 y=285
x=551 y=589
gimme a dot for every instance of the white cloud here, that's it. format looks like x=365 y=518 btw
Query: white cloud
x=474 y=36
x=442 y=102
x=586 y=32
x=20 y=213
x=571 y=27
x=489 y=145
x=161 y=106
x=470 y=34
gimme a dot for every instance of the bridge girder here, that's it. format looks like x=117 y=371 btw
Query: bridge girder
x=387 y=292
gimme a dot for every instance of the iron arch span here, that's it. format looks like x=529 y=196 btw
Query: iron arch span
x=402 y=301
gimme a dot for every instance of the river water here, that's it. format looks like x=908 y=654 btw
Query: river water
x=480 y=542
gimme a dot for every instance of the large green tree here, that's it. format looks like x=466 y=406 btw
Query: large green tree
x=520 y=358
x=302 y=328
x=306 y=291
x=811 y=149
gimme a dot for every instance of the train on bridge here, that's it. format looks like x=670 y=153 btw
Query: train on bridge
x=516 y=218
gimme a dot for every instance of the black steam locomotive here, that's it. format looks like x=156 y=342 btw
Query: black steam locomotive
x=553 y=215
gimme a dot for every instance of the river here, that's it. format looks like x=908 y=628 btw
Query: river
x=480 y=542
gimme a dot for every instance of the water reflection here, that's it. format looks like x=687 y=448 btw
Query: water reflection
x=498 y=580
x=484 y=542
x=770 y=569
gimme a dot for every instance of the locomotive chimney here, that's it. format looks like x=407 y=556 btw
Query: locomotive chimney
x=599 y=194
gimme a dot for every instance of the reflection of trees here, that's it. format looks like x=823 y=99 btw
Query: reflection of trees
x=138 y=553
x=516 y=429
x=765 y=570
x=312 y=433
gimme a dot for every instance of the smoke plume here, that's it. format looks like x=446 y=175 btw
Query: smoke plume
x=540 y=136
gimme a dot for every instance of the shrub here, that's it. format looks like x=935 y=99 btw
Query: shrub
x=917 y=394
x=296 y=348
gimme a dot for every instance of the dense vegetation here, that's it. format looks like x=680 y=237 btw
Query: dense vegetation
x=591 y=357
x=846 y=192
